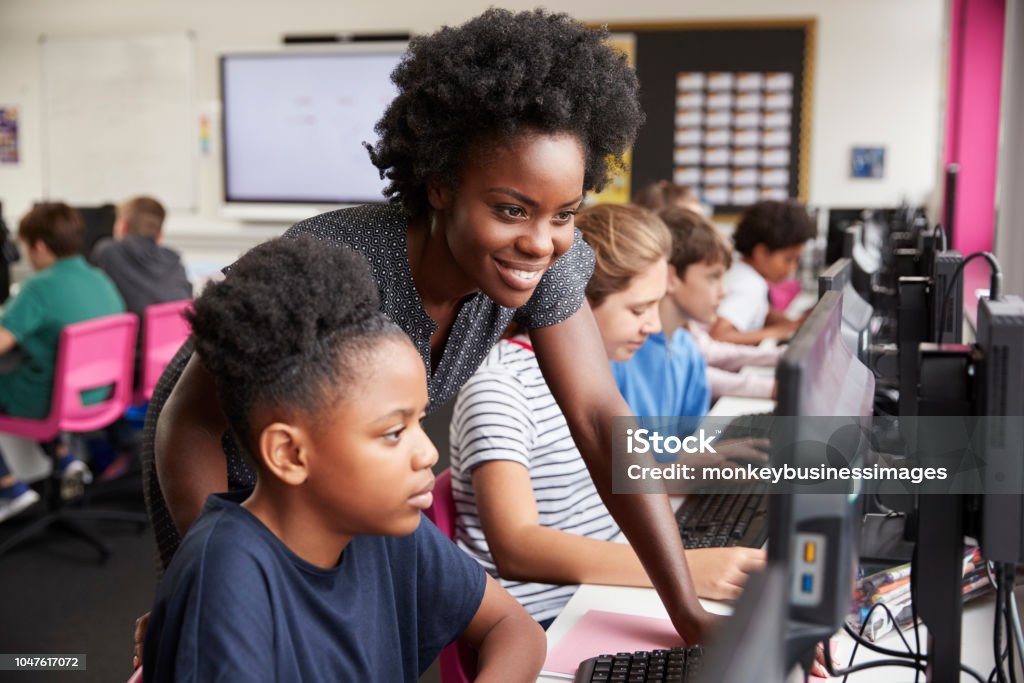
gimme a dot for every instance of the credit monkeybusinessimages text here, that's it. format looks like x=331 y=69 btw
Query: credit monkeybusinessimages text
x=763 y=473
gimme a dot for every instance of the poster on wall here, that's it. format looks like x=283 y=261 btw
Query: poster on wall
x=732 y=136
x=8 y=135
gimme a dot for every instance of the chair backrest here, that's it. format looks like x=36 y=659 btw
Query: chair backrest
x=164 y=330
x=457 y=661
x=92 y=354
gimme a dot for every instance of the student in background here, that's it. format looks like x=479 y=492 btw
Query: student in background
x=664 y=194
x=528 y=510
x=769 y=238
x=499 y=129
x=64 y=290
x=696 y=286
x=144 y=271
x=326 y=570
x=666 y=375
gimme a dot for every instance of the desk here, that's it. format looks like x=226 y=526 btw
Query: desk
x=976 y=644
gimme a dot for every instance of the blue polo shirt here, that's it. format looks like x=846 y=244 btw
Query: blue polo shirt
x=666 y=380
x=237 y=605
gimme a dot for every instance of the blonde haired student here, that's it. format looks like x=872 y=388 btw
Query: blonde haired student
x=528 y=510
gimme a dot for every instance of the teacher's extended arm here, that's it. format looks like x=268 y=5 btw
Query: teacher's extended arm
x=575 y=366
x=190 y=461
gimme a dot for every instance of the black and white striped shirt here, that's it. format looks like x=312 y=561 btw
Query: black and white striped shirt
x=506 y=412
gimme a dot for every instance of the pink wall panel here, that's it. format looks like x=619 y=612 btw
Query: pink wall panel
x=972 y=121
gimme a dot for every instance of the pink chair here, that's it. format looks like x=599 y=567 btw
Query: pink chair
x=164 y=330
x=781 y=294
x=458 y=660
x=92 y=354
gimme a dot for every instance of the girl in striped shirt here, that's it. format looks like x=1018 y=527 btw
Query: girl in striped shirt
x=527 y=508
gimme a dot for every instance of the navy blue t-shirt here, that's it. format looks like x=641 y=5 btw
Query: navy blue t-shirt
x=237 y=605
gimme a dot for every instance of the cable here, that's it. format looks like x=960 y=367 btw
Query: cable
x=939 y=231
x=1018 y=636
x=1008 y=572
x=859 y=639
x=918 y=658
x=913 y=602
x=999 y=658
x=997 y=635
x=994 y=288
x=845 y=673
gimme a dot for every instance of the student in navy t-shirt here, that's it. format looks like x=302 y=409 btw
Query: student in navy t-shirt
x=325 y=571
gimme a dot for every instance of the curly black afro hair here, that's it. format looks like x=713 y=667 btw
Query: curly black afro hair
x=777 y=225
x=287 y=327
x=497 y=75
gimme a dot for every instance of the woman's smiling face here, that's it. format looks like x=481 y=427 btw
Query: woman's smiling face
x=511 y=215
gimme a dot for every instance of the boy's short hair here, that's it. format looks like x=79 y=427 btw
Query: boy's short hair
x=777 y=225
x=694 y=240
x=56 y=225
x=288 y=327
x=663 y=194
x=142 y=216
x=625 y=240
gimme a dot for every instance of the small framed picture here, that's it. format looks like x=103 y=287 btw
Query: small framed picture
x=867 y=162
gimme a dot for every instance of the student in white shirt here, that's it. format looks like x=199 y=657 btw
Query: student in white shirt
x=769 y=240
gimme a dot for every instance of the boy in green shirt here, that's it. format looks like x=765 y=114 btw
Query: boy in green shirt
x=64 y=290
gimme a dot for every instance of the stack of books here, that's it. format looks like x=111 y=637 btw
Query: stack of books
x=892 y=587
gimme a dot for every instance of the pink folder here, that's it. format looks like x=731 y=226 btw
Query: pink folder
x=598 y=632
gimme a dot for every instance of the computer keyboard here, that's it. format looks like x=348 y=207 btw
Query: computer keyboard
x=737 y=515
x=678 y=665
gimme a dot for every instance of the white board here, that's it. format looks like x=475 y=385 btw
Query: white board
x=119 y=118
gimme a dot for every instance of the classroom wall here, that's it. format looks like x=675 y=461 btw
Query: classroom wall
x=878 y=80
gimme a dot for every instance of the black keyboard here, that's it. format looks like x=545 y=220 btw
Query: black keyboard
x=678 y=665
x=738 y=515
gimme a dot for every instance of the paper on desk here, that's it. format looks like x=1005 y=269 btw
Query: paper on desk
x=599 y=632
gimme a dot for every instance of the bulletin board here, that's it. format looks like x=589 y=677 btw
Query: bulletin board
x=119 y=118
x=728 y=108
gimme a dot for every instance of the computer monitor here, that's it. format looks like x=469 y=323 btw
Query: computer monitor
x=835 y=277
x=815 y=534
x=984 y=381
x=99 y=223
x=838 y=221
x=817 y=375
x=294 y=123
x=946 y=319
x=749 y=647
x=857 y=312
x=1001 y=395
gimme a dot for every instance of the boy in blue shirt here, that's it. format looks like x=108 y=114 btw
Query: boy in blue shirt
x=324 y=572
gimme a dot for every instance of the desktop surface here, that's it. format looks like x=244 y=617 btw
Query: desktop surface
x=976 y=648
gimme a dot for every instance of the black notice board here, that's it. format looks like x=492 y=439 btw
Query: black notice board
x=665 y=51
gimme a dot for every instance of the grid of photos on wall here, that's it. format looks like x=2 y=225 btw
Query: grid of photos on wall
x=732 y=135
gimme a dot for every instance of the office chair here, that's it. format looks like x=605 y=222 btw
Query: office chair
x=164 y=330
x=92 y=354
x=458 y=660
